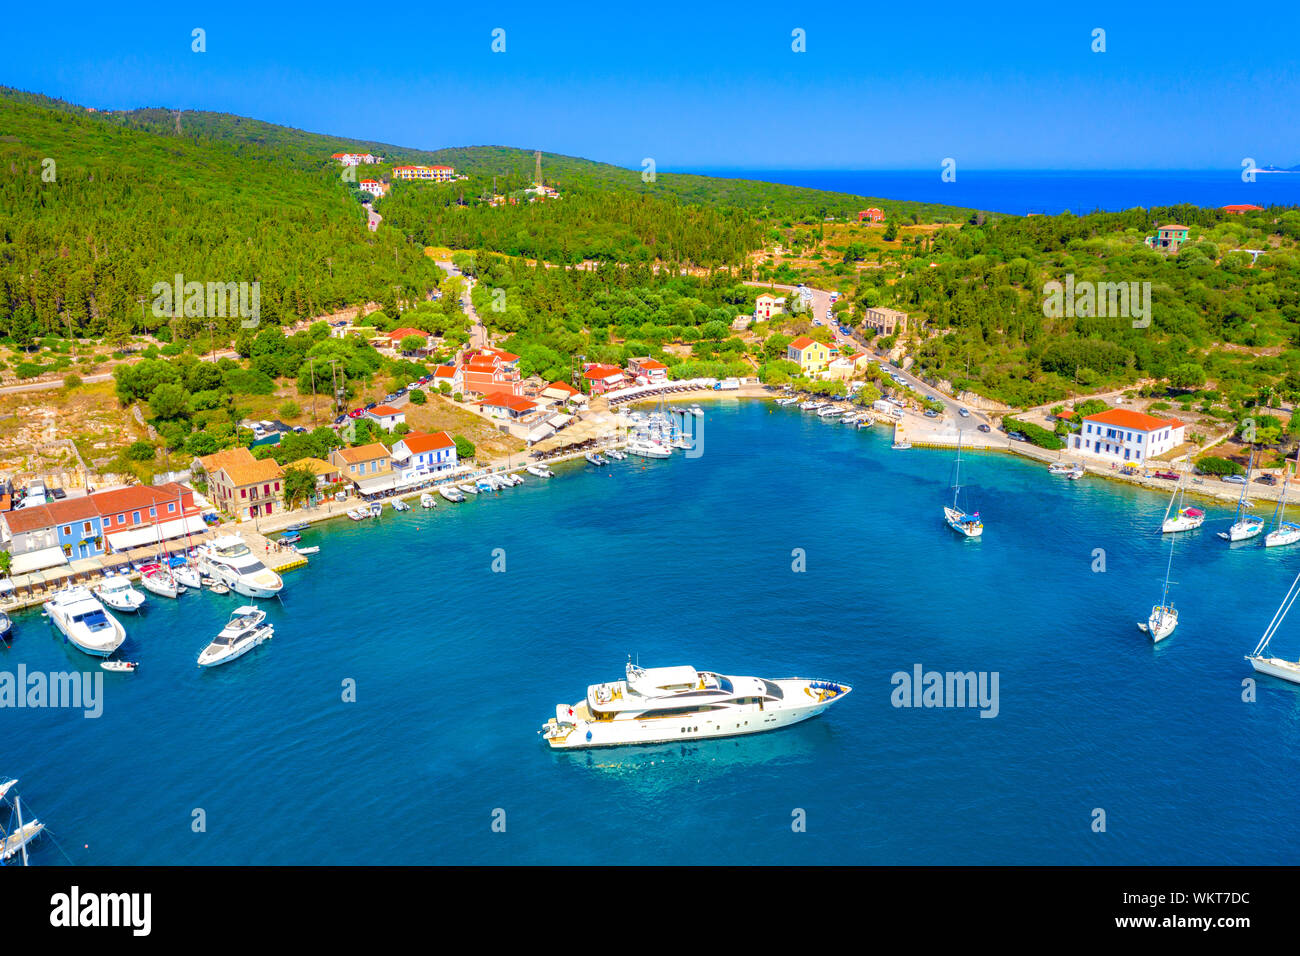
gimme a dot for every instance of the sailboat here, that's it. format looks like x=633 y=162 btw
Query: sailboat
x=14 y=839
x=1185 y=519
x=1284 y=532
x=1245 y=526
x=1277 y=666
x=968 y=525
x=1164 y=616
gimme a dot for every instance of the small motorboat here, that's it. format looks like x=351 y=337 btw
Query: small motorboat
x=451 y=493
x=219 y=588
x=512 y=478
x=789 y=400
x=358 y=515
x=119 y=667
x=400 y=505
x=541 y=471
x=7 y=626
x=300 y=526
x=595 y=459
x=428 y=501
x=116 y=591
x=490 y=483
x=376 y=509
x=314 y=549
x=1059 y=468
x=697 y=411
x=186 y=576
x=616 y=454
x=468 y=488
x=292 y=537
x=901 y=445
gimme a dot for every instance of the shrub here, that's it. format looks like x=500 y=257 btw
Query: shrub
x=1214 y=465
x=417 y=396
x=1037 y=435
x=71 y=381
x=140 y=451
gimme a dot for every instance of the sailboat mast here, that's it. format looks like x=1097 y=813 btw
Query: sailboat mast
x=18 y=806
x=1164 y=596
x=956 y=487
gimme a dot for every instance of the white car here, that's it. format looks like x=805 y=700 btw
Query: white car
x=963 y=413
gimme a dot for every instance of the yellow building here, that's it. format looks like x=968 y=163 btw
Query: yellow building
x=809 y=354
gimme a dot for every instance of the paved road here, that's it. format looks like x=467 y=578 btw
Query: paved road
x=57 y=383
x=478 y=334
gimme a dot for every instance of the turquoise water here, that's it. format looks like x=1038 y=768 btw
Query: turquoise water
x=689 y=561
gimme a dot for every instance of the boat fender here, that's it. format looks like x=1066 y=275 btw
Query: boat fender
x=589 y=735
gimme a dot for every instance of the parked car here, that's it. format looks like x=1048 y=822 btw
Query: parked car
x=1166 y=475
x=1235 y=479
x=340 y=420
x=1017 y=436
x=1267 y=479
x=964 y=413
x=931 y=413
x=985 y=428
x=58 y=494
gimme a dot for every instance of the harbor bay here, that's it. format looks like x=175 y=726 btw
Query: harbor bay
x=400 y=699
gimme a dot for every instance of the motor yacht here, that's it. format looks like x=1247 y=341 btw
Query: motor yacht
x=658 y=704
x=229 y=560
x=246 y=629
x=116 y=591
x=80 y=617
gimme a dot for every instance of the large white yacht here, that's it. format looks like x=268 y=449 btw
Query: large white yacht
x=246 y=629
x=229 y=560
x=82 y=619
x=658 y=704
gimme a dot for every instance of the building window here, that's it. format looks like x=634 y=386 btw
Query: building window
x=85 y=527
x=135 y=517
x=67 y=531
x=243 y=492
x=171 y=506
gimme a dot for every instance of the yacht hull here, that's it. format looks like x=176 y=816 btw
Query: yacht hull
x=1277 y=667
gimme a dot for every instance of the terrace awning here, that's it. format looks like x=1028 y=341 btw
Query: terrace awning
x=37 y=560
x=377 y=483
x=125 y=540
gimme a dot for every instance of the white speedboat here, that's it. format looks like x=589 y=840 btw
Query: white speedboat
x=400 y=505
x=512 y=478
x=789 y=400
x=1076 y=472
x=358 y=515
x=156 y=579
x=811 y=406
x=658 y=704
x=1059 y=468
x=314 y=549
x=830 y=411
x=246 y=629
x=229 y=560
x=116 y=591
x=594 y=458
x=120 y=667
x=616 y=454
x=541 y=471
x=427 y=501
x=376 y=509
x=83 y=621
x=697 y=411
x=648 y=448
x=451 y=493
x=468 y=488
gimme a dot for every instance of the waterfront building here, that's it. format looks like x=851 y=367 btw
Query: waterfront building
x=326 y=474
x=1168 y=238
x=652 y=370
x=603 y=378
x=363 y=464
x=563 y=392
x=240 y=484
x=145 y=514
x=417 y=456
x=437 y=174
x=846 y=366
x=1122 y=435
x=884 y=321
x=768 y=305
x=386 y=416
x=810 y=355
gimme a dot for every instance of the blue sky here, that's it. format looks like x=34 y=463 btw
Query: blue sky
x=1181 y=85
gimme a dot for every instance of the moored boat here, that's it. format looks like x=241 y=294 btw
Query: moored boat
x=229 y=560
x=451 y=493
x=1244 y=526
x=647 y=448
x=965 y=524
x=81 y=618
x=427 y=501
x=116 y=591
x=158 y=580
x=541 y=471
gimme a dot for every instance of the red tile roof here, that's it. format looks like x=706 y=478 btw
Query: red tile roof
x=418 y=442
x=513 y=402
x=802 y=342
x=398 y=334
x=383 y=411
x=597 y=371
x=562 y=386
x=1138 y=421
x=445 y=371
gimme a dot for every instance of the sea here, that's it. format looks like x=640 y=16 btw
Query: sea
x=1048 y=192
x=394 y=717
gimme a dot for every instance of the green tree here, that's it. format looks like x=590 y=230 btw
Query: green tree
x=168 y=402
x=464 y=448
x=299 y=485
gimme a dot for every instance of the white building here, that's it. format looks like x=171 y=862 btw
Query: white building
x=374 y=187
x=356 y=159
x=1121 y=435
